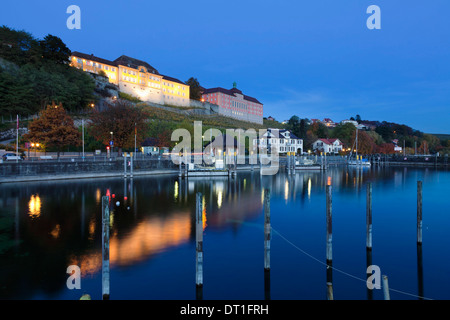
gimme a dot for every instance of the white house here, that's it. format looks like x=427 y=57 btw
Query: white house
x=328 y=145
x=353 y=122
x=285 y=142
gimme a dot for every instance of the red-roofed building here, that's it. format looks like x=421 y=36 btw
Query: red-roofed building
x=328 y=145
x=233 y=103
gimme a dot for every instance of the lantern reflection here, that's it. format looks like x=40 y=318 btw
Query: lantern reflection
x=34 y=206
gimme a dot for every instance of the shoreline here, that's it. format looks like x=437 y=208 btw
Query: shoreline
x=100 y=175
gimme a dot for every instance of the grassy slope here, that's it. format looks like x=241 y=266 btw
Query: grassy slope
x=216 y=121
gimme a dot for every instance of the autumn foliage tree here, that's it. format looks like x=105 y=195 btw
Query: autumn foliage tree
x=54 y=128
x=123 y=119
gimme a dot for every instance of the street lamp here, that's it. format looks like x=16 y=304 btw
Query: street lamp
x=111 y=143
x=35 y=145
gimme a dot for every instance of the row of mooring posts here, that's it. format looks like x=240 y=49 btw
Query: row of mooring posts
x=329 y=250
x=129 y=164
x=199 y=245
x=290 y=162
x=267 y=239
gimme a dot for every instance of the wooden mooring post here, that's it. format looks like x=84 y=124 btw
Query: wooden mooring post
x=329 y=253
x=267 y=236
x=105 y=247
x=267 y=229
x=368 y=264
x=288 y=163
x=125 y=165
x=386 y=288
x=419 y=212
x=131 y=165
x=199 y=245
x=419 y=271
x=369 y=216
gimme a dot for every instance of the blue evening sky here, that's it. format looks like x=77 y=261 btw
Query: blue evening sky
x=313 y=59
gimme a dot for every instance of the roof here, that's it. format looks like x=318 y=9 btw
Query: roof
x=329 y=141
x=134 y=63
x=231 y=92
x=93 y=58
x=173 y=79
x=282 y=131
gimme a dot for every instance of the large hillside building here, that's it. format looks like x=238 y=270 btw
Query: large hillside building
x=136 y=77
x=233 y=103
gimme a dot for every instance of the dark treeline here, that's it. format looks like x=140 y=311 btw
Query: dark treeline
x=34 y=72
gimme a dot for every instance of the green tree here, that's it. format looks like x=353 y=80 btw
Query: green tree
x=18 y=46
x=345 y=133
x=54 y=50
x=302 y=128
x=195 y=92
x=319 y=129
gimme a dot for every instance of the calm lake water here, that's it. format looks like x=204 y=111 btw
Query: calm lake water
x=47 y=226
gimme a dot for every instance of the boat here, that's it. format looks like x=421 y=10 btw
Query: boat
x=358 y=160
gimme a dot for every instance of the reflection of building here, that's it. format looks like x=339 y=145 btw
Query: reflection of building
x=284 y=141
x=328 y=145
x=147 y=238
x=135 y=77
x=233 y=103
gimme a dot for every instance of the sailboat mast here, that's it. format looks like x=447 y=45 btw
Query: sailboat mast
x=356 y=143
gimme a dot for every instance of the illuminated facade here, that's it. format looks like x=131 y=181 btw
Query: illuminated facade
x=136 y=77
x=234 y=104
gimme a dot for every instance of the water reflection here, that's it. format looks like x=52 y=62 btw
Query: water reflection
x=34 y=206
x=59 y=223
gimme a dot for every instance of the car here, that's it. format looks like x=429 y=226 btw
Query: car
x=12 y=156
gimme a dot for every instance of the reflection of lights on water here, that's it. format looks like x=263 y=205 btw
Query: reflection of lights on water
x=329 y=181
x=98 y=195
x=56 y=231
x=34 y=206
x=262 y=196
x=286 y=190
x=91 y=230
x=111 y=218
x=175 y=193
x=204 y=213
x=245 y=183
x=219 y=199
x=219 y=192
x=309 y=188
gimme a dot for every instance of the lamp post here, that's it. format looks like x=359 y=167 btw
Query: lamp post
x=82 y=129
x=111 y=142
x=35 y=145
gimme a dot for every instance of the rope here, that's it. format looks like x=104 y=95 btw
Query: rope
x=324 y=264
